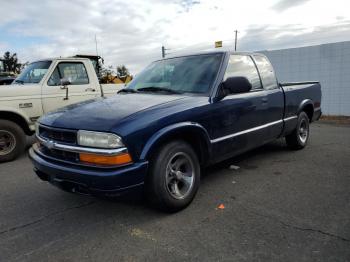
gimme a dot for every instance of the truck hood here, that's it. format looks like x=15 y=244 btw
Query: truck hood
x=103 y=113
x=16 y=91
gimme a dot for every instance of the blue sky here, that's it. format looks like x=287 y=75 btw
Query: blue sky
x=15 y=41
x=132 y=32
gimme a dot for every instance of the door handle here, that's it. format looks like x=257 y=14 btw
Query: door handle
x=248 y=108
x=90 y=89
x=264 y=100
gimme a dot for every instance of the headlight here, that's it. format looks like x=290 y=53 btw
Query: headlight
x=99 y=140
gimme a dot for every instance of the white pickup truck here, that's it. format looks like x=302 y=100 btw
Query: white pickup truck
x=44 y=86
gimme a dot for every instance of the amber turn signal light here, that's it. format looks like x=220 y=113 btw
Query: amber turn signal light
x=120 y=159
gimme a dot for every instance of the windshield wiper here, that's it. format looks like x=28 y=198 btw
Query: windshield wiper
x=158 y=89
x=127 y=90
x=19 y=81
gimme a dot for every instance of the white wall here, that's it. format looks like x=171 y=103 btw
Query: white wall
x=328 y=63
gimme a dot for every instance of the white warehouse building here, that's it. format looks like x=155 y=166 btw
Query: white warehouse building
x=327 y=63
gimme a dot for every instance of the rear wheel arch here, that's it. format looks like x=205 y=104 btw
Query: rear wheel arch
x=307 y=107
x=193 y=134
x=299 y=137
x=17 y=119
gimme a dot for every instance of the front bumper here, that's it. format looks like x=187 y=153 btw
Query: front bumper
x=94 y=181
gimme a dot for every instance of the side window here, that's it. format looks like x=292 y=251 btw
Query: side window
x=55 y=79
x=241 y=65
x=75 y=72
x=267 y=74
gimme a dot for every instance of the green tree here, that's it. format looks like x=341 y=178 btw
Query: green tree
x=122 y=71
x=107 y=70
x=11 y=63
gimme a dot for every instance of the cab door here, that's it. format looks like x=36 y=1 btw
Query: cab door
x=81 y=88
x=237 y=119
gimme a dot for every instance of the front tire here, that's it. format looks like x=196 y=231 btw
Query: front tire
x=12 y=141
x=298 y=139
x=174 y=176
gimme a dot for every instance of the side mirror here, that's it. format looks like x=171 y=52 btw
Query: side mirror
x=236 y=85
x=65 y=82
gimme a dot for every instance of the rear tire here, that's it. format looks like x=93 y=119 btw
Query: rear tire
x=298 y=139
x=174 y=176
x=12 y=141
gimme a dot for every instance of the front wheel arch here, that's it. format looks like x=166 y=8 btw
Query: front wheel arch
x=12 y=140
x=161 y=177
x=17 y=119
x=194 y=134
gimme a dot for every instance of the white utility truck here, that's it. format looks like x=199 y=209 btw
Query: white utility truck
x=44 y=86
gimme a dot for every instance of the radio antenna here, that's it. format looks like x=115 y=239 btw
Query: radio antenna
x=96 y=45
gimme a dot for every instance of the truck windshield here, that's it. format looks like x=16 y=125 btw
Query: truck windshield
x=33 y=73
x=189 y=74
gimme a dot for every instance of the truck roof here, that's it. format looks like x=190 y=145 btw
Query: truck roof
x=61 y=58
x=212 y=52
x=175 y=56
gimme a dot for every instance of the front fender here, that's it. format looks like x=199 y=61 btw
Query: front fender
x=12 y=110
x=177 y=128
x=18 y=117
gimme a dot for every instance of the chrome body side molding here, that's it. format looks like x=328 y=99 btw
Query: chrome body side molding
x=252 y=129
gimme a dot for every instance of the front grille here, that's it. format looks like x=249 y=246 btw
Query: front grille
x=58 y=135
x=62 y=136
x=59 y=154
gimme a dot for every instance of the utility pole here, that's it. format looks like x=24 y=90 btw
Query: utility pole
x=163 y=52
x=236 y=32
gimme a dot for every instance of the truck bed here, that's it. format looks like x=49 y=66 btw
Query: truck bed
x=297 y=94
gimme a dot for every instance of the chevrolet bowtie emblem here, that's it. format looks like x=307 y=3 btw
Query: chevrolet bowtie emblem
x=49 y=144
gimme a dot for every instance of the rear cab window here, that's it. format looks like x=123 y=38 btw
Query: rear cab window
x=266 y=71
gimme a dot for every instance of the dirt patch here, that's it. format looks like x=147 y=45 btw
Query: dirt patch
x=339 y=120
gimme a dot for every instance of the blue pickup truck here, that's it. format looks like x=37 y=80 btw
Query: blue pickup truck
x=177 y=116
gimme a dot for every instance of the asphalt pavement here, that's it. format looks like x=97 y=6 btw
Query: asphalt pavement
x=280 y=205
